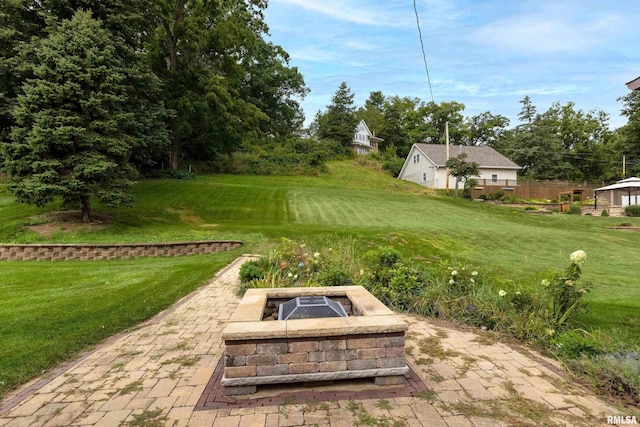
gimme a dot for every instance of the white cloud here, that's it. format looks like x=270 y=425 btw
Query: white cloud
x=350 y=11
x=550 y=28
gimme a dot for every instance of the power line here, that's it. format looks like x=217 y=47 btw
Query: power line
x=424 y=56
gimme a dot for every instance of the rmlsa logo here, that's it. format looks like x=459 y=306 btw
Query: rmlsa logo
x=616 y=419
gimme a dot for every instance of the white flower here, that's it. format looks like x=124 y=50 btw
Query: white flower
x=544 y=283
x=295 y=277
x=502 y=292
x=361 y=272
x=454 y=272
x=518 y=293
x=569 y=283
x=474 y=273
x=452 y=282
x=290 y=274
x=472 y=281
x=578 y=257
x=316 y=255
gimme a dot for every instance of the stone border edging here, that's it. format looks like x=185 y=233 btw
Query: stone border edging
x=96 y=252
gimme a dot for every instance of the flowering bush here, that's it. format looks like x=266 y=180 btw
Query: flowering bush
x=297 y=264
x=564 y=291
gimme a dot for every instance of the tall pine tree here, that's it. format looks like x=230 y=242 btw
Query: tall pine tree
x=74 y=131
x=338 y=123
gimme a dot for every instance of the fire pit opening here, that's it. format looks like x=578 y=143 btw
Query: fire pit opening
x=310 y=307
x=336 y=304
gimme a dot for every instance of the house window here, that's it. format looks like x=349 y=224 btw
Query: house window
x=417 y=158
x=424 y=177
x=494 y=177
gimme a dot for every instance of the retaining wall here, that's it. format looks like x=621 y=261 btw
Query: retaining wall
x=88 y=252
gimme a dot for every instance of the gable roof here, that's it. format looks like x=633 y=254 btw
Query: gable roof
x=366 y=128
x=367 y=131
x=485 y=157
x=634 y=84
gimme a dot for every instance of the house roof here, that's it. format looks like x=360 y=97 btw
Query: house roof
x=634 y=84
x=368 y=131
x=485 y=157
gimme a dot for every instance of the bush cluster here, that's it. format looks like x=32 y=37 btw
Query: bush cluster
x=574 y=209
x=632 y=210
x=500 y=196
x=274 y=157
x=542 y=314
x=296 y=264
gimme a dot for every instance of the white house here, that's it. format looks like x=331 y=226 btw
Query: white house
x=425 y=165
x=364 y=141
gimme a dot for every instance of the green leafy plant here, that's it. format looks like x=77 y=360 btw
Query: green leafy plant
x=574 y=209
x=632 y=210
x=250 y=271
x=564 y=291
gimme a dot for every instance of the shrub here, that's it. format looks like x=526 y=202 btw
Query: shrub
x=499 y=195
x=250 y=271
x=632 y=210
x=334 y=276
x=605 y=213
x=574 y=209
x=385 y=257
x=391 y=162
x=530 y=208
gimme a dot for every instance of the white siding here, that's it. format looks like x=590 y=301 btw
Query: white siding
x=418 y=168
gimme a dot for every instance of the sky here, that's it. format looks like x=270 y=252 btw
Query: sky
x=486 y=54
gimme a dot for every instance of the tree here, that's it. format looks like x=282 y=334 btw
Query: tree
x=461 y=169
x=630 y=132
x=486 y=128
x=338 y=122
x=129 y=22
x=434 y=119
x=373 y=112
x=223 y=82
x=400 y=121
x=74 y=135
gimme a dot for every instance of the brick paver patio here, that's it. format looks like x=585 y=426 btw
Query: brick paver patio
x=162 y=373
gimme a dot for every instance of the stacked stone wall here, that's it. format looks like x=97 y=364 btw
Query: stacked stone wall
x=90 y=252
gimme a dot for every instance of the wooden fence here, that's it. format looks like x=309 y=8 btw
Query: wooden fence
x=534 y=189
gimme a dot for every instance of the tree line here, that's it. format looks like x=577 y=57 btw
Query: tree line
x=92 y=92
x=561 y=143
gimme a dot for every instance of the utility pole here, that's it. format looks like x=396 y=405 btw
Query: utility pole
x=446 y=138
x=624 y=166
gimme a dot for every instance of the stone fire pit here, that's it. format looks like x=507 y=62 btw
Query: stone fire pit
x=367 y=343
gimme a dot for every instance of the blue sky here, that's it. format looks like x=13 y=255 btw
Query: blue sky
x=487 y=54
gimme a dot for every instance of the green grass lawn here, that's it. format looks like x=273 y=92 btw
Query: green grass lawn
x=350 y=201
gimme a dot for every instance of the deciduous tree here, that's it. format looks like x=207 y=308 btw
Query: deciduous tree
x=461 y=169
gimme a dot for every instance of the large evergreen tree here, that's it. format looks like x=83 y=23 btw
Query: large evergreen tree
x=338 y=123
x=74 y=131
